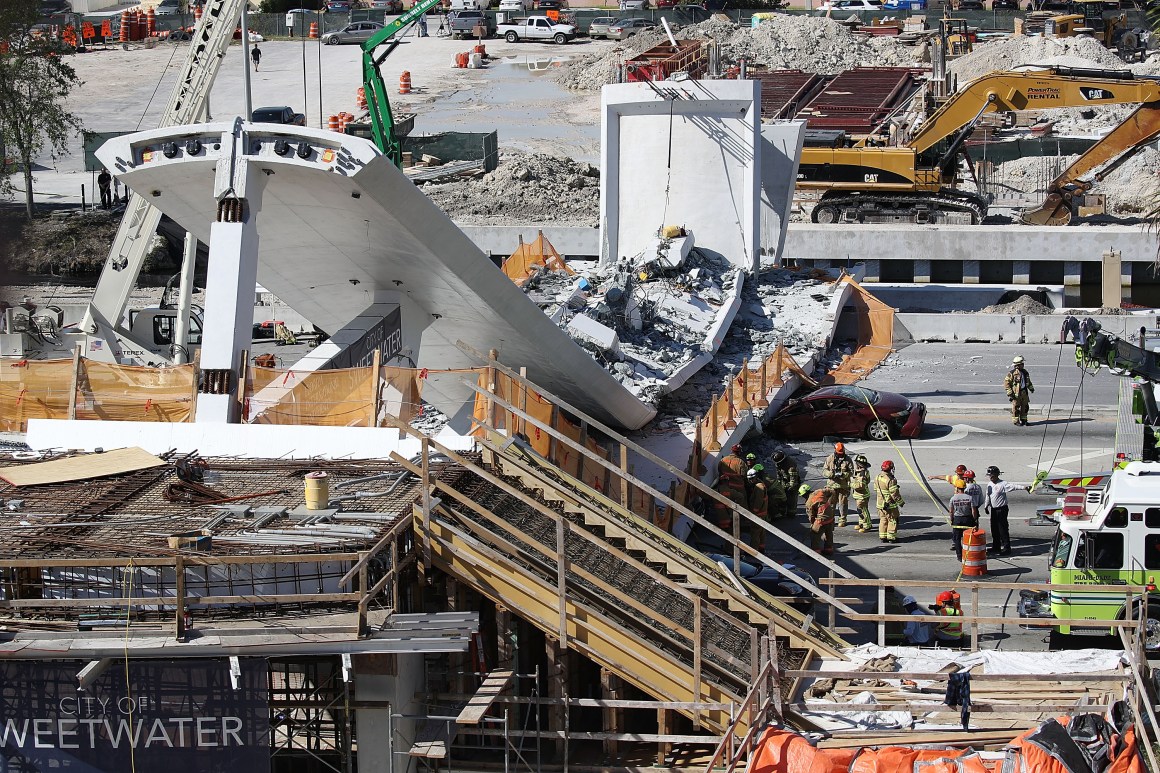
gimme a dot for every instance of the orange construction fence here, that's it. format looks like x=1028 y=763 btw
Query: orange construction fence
x=875 y=337
x=86 y=389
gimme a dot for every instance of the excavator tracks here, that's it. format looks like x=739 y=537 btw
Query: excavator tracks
x=923 y=209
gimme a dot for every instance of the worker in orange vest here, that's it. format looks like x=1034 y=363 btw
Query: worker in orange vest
x=731 y=470
x=757 y=497
x=821 y=509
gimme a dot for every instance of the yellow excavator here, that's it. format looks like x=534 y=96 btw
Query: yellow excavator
x=1088 y=19
x=915 y=181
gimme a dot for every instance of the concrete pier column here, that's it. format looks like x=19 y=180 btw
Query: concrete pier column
x=873 y=270
x=1126 y=281
x=229 y=288
x=922 y=271
x=971 y=271
x=1021 y=272
x=1072 y=278
x=1111 y=280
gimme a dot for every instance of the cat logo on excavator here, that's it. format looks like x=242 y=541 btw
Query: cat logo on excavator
x=1090 y=93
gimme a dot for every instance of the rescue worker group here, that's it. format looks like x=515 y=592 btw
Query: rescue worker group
x=744 y=481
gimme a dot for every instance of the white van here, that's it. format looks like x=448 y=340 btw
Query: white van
x=468 y=5
x=518 y=6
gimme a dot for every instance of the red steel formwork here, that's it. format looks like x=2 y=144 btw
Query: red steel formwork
x=855 y=101
x=660 y=62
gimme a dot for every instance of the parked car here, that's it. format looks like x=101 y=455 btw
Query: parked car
x=283 y=114
x=338 y=6
x=1005 y=5
x=552 y=5
x=464 y=23
x=666 y=3
x=168 y=8
x=972 y=5
x=849 y=411
x=634 y=5
x=598 y=28
x=516 y=6
x=359 y=32
x=536 y=28
x=54 y=7
x=851 y=5
x=623 y=29
x=390 y=6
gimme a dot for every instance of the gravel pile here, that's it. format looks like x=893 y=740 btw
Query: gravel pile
x=525 y=188
x=809 y=43
x=1022 y=305
x=1011 y=52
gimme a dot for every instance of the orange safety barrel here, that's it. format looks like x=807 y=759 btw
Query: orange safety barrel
x=150 y=22
x=313 y=30
x=481 y=50
x=461 y=60
x=360 y=98
x=405 y=82
x=196 y=13
x=140 y=26
x=974 y=553
x=125 y=27
x=333 y=123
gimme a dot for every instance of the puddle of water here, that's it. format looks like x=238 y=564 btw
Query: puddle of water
x=527 y=110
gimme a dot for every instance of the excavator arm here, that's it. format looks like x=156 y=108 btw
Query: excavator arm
x=1120 y=144
x=1034 y=90
x=378 y=103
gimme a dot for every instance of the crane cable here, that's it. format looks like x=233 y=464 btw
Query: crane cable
x=1050 y=403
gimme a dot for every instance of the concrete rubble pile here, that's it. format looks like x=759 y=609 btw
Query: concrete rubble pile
x=1009 y=53
x=809 y=43
x=524 y=188
x=643 y=319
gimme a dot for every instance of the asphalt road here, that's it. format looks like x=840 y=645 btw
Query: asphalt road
x=968 y=423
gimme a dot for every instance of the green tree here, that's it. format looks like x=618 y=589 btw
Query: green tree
x=34 y=87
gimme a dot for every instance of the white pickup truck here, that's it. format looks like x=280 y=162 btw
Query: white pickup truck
x=536 y=28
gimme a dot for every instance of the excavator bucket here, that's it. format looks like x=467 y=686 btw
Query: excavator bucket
x=1053 y=211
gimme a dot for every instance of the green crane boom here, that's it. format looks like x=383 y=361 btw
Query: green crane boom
x=378 y=103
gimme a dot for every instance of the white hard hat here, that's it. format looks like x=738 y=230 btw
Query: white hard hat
x=1018 y=360
x=752 y=473
x=908 y=600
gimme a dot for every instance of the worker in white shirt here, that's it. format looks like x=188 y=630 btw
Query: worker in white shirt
x=918 y=630
x=997 y=506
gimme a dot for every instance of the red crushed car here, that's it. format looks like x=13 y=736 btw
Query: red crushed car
x=849 y=411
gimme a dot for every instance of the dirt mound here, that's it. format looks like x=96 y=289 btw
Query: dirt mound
x=524 y=188
x=786 y=42
x=1009 y=53
x=1024 y=304
x=64 y=243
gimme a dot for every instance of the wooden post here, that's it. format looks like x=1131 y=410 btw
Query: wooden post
x=695 y=457
x=503 y=631
x=730 y=406
x=762 y=401
x=744 y=404
x=193 y=389
x=974 y=613
x=553 y=442
x=243 y=382
x=562 y=580
x=881 y=611
x=697 y=654
x=492 y=356
x=557 y=678
x=76 y=376
x=376 y=386
x=663 y=729
x=522 y=404
x=625 y=494
x=580 y=457
x=426 y=453
x=714 y=445
x=612 y=718
x=179 y=595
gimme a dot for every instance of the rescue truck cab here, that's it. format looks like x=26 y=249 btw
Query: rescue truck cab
x=1109 y=537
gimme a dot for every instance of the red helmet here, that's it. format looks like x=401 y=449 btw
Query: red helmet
x=961 y=469
x=946 y=597
x=969 y=475
x=736 y=448
x=888 y=465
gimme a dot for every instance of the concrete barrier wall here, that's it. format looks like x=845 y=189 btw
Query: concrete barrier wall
x=1044 y=328
x=990 y=328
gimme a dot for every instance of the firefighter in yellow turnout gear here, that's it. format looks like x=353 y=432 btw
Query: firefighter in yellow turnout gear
x=838 y=470
x=889 y=502
x=1018 y=387
x=860 y=488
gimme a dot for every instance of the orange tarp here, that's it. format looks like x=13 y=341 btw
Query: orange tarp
x=523 y=262
x=875 y=337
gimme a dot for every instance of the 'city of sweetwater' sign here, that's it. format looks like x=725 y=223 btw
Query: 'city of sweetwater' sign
x=169 y=716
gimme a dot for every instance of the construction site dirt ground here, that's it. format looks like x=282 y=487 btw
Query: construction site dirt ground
x=126 y=91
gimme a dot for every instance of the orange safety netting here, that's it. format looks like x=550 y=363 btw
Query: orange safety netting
x=875 y=337
x=326 y=398
x=34 y=390
x=132 y=393
x=528 y=257
x=42 y=390
x=782 y=751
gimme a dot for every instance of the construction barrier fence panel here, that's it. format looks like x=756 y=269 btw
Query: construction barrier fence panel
x=44 y=389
